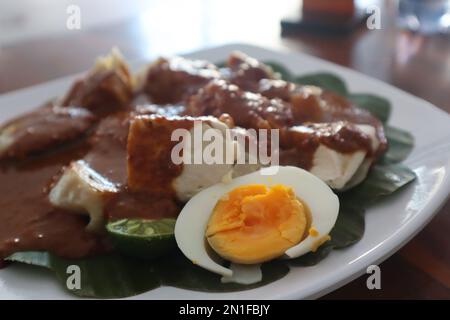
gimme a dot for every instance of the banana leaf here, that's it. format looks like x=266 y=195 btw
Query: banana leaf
x=116 y=276
x=378 y=106
x=400 y=145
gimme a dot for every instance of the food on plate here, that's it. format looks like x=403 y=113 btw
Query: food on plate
x=340 y=153
x=249 y=110
x=108 y=87
x=229 y=169
x=47 y=127
x=246 y=72
x=175 y=79
x=153 y=171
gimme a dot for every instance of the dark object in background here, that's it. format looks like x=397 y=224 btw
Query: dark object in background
x=3 y=263
x=324 y=16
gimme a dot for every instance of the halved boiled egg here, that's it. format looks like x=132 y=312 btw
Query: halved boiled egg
x=254 y=223
x=257 y=218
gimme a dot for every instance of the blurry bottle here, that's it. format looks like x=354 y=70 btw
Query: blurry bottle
x=425 y=16
x=325 y=16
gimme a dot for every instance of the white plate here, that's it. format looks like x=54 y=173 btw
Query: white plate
x=389 y=225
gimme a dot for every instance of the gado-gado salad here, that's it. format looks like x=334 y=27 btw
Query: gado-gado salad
x=194 y=175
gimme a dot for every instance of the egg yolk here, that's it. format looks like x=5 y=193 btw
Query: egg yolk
x=254 y=223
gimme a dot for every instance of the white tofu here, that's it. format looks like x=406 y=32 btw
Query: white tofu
x=342 y=171
x=363 y=169
x=84 y=191
x=359 y=175
x=336 y=168
x=196 y=177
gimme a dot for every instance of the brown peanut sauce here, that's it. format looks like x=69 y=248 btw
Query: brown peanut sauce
x=30 y=222
x=304 y=141
x=310 y=104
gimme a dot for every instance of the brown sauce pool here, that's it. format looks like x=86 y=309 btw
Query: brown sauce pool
x=31 y=223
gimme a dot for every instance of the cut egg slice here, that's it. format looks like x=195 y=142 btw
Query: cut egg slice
x=256 y=218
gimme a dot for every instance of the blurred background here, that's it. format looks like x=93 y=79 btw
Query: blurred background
x=403 y=42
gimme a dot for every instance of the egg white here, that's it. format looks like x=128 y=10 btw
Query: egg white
x=192 y=222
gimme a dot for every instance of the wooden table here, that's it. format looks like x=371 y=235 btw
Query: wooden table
x=417 y=64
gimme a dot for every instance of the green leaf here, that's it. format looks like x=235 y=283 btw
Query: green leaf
x=400 y=144
x=284 y=73
x=108 y=276
x=378 y=106
x=196 y=278
x=116 y=276
x=350 y=225
x=324 y=80
x=382 y=180
x=105 y=276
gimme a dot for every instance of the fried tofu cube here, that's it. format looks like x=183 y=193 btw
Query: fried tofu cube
x=107 y=87
x=151 y=167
